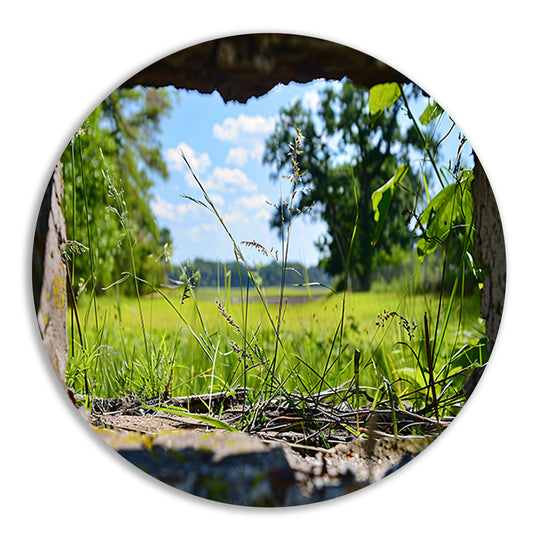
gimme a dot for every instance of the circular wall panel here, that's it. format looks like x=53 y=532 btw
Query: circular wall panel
x=269 y=270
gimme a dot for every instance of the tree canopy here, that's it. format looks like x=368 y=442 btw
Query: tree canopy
x=346 y=155
x=109 y=168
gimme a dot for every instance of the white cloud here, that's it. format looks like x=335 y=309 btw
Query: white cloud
x=197 y=232
x=162 y=208
x=256 y=201
x=234 y=129
x=224 y=179
x=256 y=153
x=237 y=156
x=311 y=100
x=235 y=217
x=199 y=162
x=183 y=209
x=217 y=199
x=169 y=211
x=247 y=133
x=264 y=215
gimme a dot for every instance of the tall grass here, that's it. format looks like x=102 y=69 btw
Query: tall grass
x=309 y=330
x=402 y=349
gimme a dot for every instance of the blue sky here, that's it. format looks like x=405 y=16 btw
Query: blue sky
x=224 y=144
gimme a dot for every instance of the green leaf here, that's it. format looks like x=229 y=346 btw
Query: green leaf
x=351 y=430
x=415 y=376
x=382 y=96
x=453 y=205
x=183 y=412
x=432 y=111
x=382 y=198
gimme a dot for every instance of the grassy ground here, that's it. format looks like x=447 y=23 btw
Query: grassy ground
x=402 y=351
x=197 y=345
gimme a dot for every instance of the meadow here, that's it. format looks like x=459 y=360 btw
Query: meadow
x=408 y=351
x=207 y=340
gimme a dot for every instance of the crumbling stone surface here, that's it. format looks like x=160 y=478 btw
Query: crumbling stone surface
x=242 y=66
x=224 y=466
x=241 y=469
x=49 y=274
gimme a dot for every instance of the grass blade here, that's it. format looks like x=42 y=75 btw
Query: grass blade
x=183 y=412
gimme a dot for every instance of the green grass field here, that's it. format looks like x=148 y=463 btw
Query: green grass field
x=198 y=346
x=298 y=347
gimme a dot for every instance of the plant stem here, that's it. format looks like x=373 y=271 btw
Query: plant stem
x=69 y=276
x=430 y=367
x=356 y=363
x=421 y=135
x=93 y=279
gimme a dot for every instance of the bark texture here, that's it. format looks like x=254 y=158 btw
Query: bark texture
x=490 y=251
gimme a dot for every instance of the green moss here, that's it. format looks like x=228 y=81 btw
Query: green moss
x=258 y=479
x=216 y=486
x=58 y=293
x=179 y=456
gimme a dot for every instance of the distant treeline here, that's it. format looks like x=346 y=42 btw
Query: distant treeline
x=213 y=274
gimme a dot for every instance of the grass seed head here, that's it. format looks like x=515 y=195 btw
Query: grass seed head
x=222 y=311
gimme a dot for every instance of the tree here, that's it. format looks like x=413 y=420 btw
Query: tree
x=118 y=147
x=341 y=191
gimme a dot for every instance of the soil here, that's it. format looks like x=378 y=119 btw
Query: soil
x=318 y=424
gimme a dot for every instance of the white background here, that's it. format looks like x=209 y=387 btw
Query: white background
x=60 y=59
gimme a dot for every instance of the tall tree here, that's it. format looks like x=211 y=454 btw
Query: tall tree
x=117 y=149
x=341 y=191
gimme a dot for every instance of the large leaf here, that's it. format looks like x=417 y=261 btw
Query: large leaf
x=382 y=198
x=453 y=205
x=382 y=96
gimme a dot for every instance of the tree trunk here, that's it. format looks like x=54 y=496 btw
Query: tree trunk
x=490 y=251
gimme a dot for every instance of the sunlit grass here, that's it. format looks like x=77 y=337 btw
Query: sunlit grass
x=405 y=349
x=308 y=334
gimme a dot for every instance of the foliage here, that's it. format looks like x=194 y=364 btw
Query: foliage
x=216 y=274
x=118 y=138
x=341 y=191
x=382 y=199
x=449 y=210
x=308 y=330
x=446 y=222
x=343 y=350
